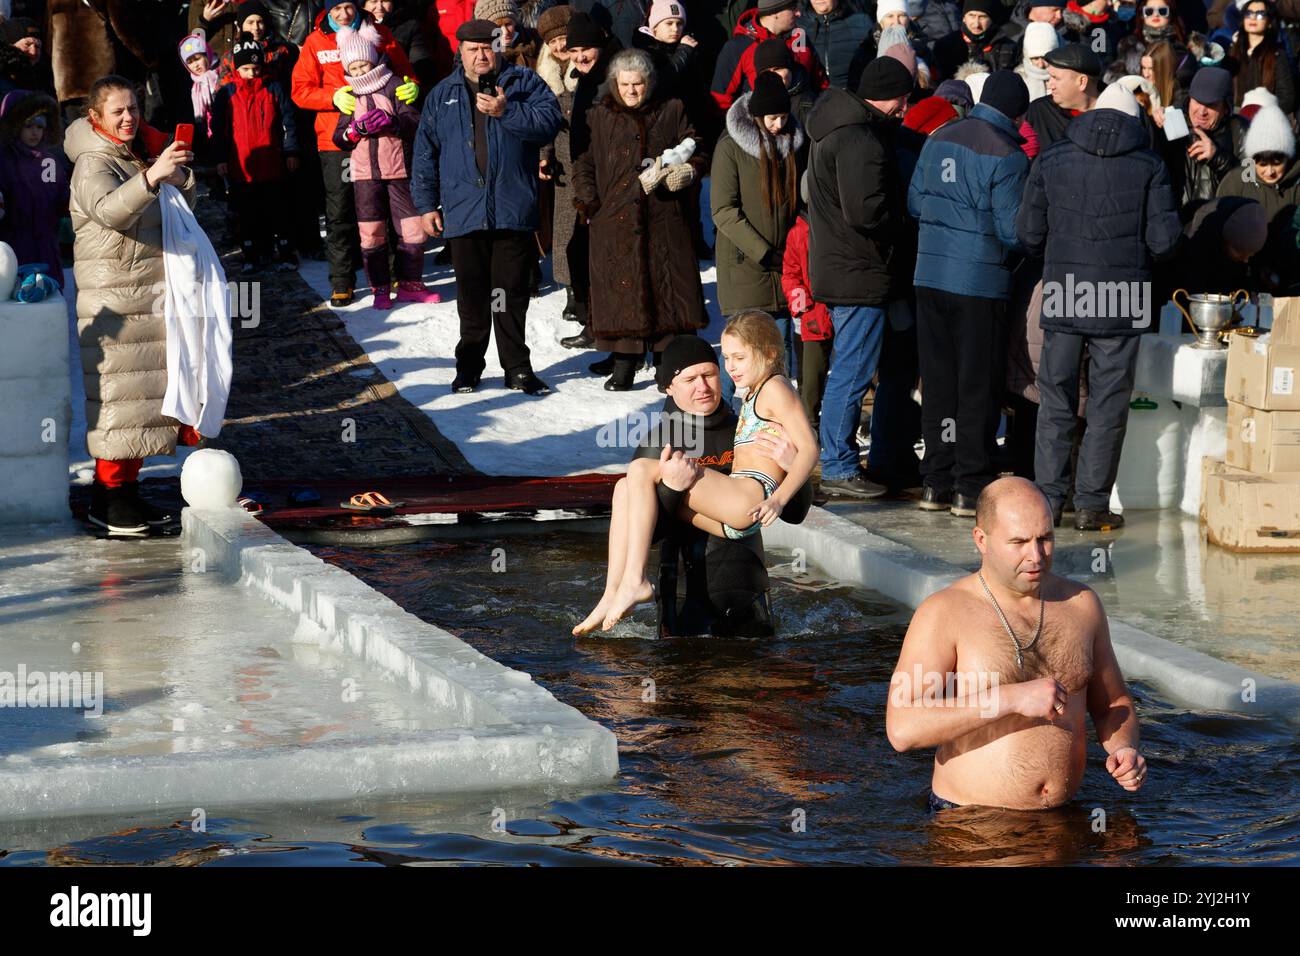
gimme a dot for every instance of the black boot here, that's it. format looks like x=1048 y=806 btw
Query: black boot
x=114 y=511
x=154 y=516
x=583 y=340
x=1102 y=520
x=523 y=380
x=604 y=366
x=624 y=373
x=570 y=306
x=655 y=359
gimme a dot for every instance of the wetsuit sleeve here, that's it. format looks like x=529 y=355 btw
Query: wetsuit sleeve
x=669 y=500
x=797 y=508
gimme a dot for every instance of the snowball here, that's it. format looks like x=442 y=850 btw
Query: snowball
x=210 y=478
x=8 y=271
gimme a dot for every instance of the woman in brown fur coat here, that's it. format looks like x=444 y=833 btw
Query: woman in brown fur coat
x=645 y=281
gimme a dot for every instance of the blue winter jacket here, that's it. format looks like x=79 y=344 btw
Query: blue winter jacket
x=445 y=173
x=841 y=39
x=965 y=193
x=1099 y=209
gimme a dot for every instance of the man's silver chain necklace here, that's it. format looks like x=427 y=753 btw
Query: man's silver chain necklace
x=1007 y=624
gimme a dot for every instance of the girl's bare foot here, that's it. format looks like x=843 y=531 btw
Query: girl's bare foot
x=626 y=598
x=596 y=617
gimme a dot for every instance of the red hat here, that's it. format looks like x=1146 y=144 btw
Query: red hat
x=929 y=114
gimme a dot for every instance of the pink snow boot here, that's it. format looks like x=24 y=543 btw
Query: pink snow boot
x=414 y=291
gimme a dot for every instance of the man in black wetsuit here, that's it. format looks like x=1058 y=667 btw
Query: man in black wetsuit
x=726 y=580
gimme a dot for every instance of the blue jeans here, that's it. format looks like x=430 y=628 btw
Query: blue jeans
x=786 y=328
x=859 y=330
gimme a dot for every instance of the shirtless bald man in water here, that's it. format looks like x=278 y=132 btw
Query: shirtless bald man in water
x=1010 y=727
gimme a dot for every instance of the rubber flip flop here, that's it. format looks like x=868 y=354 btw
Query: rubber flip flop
x=373 y=502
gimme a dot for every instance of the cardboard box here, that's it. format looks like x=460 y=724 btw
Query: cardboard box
x=1286 y=321
x=1262 y=373
x=1246 y=512
x=1263 y=442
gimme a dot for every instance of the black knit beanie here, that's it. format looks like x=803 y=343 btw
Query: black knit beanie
x=769 y=96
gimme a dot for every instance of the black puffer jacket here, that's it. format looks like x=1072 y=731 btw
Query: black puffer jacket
x=404 y=23
x=1099 y=209
x=855 y=200
x=294 y=19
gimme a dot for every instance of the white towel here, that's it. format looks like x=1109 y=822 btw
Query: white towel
x=196 y=308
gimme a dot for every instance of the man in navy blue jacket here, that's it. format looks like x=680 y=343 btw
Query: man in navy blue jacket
x=965 y=193
x=840 y=36
x=475 y=182
x=1099 y=209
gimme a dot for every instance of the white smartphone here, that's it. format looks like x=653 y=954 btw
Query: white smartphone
x=1175 y=124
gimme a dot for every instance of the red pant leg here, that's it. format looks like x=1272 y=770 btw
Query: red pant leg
x=114 y=474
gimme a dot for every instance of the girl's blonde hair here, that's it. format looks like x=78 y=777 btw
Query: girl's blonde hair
x=757 y=329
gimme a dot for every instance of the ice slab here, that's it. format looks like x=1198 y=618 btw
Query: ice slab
x=216 y=697
x=35 y=410
x=1168 y=366
x=1160 y=465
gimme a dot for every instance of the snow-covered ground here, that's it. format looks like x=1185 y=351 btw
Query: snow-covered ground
x=577 y=428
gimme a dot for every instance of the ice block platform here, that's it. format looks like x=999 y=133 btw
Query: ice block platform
x=35 y=410
x=1160 y=466
x=239 y=669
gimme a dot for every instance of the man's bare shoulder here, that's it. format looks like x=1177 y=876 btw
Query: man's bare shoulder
x=1081 y=598
x=955 y=596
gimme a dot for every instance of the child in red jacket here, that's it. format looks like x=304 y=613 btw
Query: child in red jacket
x=256 y=143
x=379 y=134
x=814 y=318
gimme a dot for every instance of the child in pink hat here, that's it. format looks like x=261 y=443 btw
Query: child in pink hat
x=379 y=134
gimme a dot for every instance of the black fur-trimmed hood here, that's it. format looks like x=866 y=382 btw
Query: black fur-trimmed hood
x=18 y=106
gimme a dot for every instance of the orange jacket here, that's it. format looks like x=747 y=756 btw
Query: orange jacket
x=318 y=75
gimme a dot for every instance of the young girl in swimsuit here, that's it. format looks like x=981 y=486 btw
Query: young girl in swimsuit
x=736 y=506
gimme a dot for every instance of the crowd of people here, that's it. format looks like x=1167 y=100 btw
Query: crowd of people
x=922 y=195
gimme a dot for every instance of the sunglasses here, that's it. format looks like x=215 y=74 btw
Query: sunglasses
x=1155 y=11
x=1255 y=15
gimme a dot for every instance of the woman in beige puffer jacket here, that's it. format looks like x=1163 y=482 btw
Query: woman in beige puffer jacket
x=118 y=264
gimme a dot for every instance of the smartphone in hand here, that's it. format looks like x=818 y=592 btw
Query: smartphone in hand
x=487 y=84
x=185 y=134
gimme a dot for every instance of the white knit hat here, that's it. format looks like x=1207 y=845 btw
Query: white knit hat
x=1270 y=132
x=1039 y=39
x=889 y=6
x=1133 y=83
x=1259 y=96
x=1115 y=97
